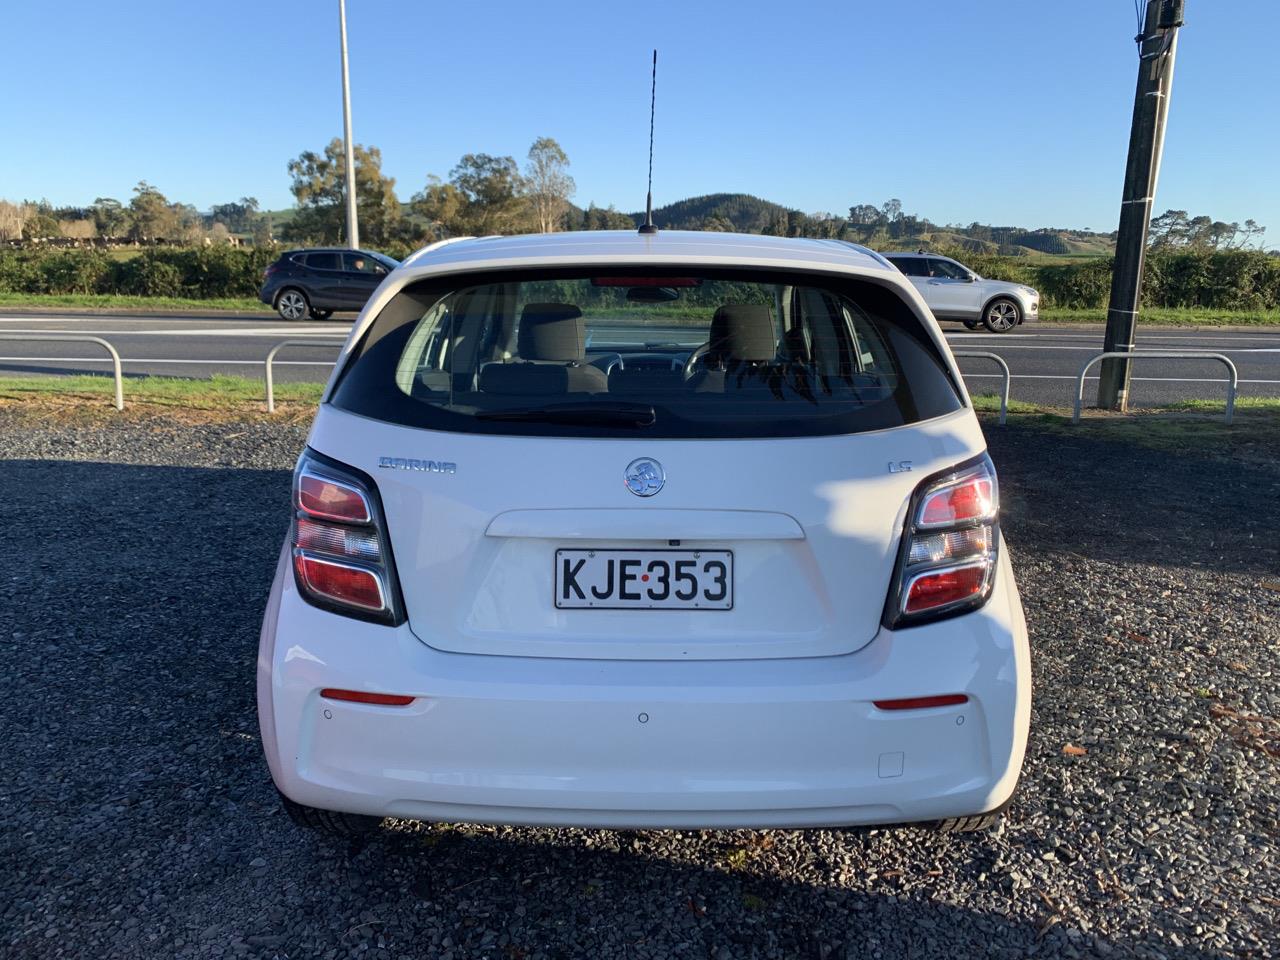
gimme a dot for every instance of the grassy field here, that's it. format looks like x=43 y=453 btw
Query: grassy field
x=116 y=302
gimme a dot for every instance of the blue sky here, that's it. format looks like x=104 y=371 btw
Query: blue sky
x=1003 y=111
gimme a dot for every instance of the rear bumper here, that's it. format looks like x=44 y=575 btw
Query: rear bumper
x=754 y=743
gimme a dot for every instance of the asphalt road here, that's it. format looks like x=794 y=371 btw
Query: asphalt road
x=1044 y=360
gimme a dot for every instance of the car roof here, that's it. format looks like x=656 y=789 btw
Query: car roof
x=623 y=246
x=367 y=253
x=917 y=253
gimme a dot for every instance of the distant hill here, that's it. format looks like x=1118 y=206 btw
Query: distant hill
x=744 y=213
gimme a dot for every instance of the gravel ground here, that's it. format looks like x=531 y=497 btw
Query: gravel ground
x=138 y=818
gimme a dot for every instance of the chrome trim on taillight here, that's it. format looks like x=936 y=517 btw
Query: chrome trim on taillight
x=331 y=561
x=310 y=471
x=986 y=562
x=958 y=478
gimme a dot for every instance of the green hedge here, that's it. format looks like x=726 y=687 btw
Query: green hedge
x=1223 y=280
x=198 y=272
x=1229 y=280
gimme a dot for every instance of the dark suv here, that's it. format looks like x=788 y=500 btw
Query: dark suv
x=323 y=280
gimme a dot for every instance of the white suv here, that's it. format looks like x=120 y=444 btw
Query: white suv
x=683 y=530
x=954 y=292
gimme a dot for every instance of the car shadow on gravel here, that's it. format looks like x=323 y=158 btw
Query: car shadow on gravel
x=139 y=819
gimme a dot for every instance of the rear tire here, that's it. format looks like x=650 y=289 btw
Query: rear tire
x=292 y=304
x=1001 y=315
x=320 y=314
x=330 y=822
x=975 y=824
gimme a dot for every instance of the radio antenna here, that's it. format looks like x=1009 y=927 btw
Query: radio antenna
x=647 y=226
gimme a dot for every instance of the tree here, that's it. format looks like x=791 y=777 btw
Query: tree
x=263 y=235
x=892 y=210
x=1174 y=229
x=606 y=218
x=716 y=224
x=13 y=216
x=319 y=191
x=110 y=218
x=485 y=195
x=548 y=183
x=40 y=221
x=865 y=214
x=493 y=191
x=237 y=216
x=442 y=206
x=826 y=226
x=151 y=217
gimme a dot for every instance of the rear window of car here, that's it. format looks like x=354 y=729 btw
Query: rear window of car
x=911 y=266
x=323 y=261
x=681 y=354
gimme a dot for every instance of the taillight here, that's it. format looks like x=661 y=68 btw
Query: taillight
x=270 y=270
x=341 y=555
x=948 y=557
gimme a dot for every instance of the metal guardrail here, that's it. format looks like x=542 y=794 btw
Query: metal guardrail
x=1232 y=380
x=78 y=338
x=271 y=356
x=1004 y=371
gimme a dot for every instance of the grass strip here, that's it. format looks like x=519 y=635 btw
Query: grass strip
x=118 y=302
x=1169 y=316
x=217 y=392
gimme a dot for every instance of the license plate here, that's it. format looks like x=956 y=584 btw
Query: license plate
x=644 y=579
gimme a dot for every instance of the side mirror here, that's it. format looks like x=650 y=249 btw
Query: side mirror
x=972 y=278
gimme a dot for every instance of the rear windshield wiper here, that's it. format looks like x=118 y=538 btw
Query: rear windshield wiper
x=594 y=414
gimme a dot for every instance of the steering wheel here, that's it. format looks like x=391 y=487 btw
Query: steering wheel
x=697 y=354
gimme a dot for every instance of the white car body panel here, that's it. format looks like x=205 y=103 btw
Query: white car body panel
x=490 y=590
x=749 y=743
x=757 y=716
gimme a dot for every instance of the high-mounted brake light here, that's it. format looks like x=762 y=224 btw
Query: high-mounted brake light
x=646 y=281
x=948 y=557
x=341 y=557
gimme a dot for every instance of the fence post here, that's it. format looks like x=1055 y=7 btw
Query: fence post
x=271 y=356
x=1004 y=371
x=1233 y=378
x=116 y=373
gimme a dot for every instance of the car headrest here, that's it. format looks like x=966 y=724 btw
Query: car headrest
x=743 y=331
x=552 y=331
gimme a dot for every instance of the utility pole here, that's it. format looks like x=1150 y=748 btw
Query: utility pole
x=1158 y=45
x=353 y=228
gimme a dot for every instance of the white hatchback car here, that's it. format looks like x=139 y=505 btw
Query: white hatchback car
x=683 y=530
x=954 y=292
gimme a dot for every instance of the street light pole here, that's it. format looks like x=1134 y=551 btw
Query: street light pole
x=1158 y=47
x=353 y=228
